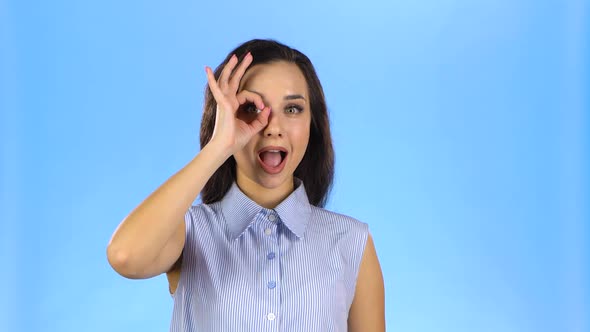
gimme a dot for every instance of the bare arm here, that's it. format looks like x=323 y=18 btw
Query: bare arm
x=151 y=238
x=367 y=312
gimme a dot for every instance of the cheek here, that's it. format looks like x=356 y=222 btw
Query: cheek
x=300 y=137
x=244 y=156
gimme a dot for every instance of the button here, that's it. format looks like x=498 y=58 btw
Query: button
x=272 y=284
x=272 y=217
x=271 y=316
x=271 y=255
x=268 y=231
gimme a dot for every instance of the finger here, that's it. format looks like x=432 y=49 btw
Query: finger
x=234 y=82
x=247 y=96
x=226 y=72
x=261 y=120
x=217 y=94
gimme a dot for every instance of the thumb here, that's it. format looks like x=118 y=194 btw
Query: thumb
x=261 y=120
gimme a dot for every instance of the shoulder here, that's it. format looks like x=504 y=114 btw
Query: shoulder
x=348 y=231
x=323 y=218
x=202 y=221
x=201 y=211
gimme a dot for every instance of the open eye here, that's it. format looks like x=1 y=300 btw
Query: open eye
x=293 y=109
x=249 y=108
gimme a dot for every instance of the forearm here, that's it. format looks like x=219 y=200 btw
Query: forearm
x=142 y=235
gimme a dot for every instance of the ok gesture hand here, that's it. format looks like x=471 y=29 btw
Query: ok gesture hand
x=232 y=131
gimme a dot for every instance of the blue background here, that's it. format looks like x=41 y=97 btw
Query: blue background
x=461 y=129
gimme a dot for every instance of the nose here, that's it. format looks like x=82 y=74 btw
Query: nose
x=273 y=128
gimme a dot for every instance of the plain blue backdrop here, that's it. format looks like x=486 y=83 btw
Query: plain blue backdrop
x=461 y=131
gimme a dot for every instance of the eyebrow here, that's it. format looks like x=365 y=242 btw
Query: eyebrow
x=287 y=97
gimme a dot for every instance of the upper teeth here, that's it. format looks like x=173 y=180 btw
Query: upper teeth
x=273 y=151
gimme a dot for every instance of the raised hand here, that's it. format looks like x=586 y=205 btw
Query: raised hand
x=233 y=131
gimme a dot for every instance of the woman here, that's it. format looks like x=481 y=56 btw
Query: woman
x=260 y=253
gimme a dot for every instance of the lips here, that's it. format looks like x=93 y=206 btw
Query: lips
x=272 y=159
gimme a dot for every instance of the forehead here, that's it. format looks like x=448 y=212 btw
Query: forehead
x=280 y=78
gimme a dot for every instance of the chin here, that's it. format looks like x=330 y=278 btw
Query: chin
x=272 y=181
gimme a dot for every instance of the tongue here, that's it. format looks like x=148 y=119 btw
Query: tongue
x=272 y=159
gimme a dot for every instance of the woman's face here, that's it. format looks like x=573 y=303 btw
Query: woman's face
x=271 y=156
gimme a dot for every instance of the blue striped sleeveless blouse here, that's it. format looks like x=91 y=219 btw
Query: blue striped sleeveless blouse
x=247 y=268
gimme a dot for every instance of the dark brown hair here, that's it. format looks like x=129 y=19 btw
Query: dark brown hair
x=316 y=169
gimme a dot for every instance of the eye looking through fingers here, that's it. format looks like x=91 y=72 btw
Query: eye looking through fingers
x=250 y=108
x=248 y=112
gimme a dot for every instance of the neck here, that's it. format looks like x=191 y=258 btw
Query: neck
x=266 y=197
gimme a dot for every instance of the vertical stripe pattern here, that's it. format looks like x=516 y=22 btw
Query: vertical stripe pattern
x=247 y=268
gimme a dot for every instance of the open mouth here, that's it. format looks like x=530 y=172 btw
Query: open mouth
x=272 y=160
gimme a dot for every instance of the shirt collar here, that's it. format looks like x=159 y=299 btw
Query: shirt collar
x=240 y=211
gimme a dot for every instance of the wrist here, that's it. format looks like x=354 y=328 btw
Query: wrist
x=220 y=150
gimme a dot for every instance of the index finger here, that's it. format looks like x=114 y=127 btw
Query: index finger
x=248 y=96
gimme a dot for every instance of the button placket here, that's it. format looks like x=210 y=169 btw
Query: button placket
x=272 y=260
x=271 y=257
